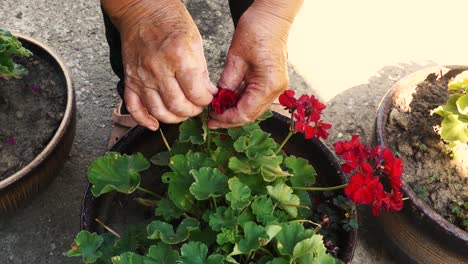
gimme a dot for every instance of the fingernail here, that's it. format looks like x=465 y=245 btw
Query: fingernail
x=153 y=128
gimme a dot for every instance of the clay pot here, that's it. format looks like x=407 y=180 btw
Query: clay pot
x=37 y=174
x=419 y=234
x=149 y=143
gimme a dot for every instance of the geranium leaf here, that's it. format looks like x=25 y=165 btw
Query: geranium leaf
x=462 y=104
x=309 y=249
x=130 y=258
x=134 y=236
x=270 y=167
x=303 y=173
x=460 y=82
x=253 y=236
x=257 y=143
x=196 y=253
x=289 y=236
x=278 y=261
x=208 y=183
x=239 y=196
x=265 y=116
x=223 y=217
x=272 y=231
x=86 y=245
x=161 y=159
x=454 y=129
x=162 y=254
x=165 y=231
x=168 y=210
x=284 y=195
x=241 y=165
x=227 y=236
x=115 y=171
x=262 y=208
x=191 y=130
x=181 y=179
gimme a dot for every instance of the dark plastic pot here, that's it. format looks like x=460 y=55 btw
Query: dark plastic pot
x=149 y=143
x=37 y=174
x=419 y=234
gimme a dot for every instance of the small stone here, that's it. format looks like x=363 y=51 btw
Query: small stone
x=19 y=114
x=399 y=118
x=19 y=15
x=52 y=246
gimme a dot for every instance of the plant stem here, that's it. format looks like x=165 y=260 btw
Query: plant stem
x=165 y=140
x=149 y=192
x=321 y=188
x=107 y=228
x=304 y=221
x=405 y=198
x=284 y=142
x=214 y=202
x=265 y=250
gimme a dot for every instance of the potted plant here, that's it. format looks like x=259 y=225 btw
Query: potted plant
x=233 y=195
x=37 y=116
x=423 y=118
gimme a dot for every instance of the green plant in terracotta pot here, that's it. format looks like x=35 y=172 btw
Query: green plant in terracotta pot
x=236 y=196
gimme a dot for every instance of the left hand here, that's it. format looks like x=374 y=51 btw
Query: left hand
x=256 y=66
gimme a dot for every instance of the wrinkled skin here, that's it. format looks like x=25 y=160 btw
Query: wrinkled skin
x=166 y=76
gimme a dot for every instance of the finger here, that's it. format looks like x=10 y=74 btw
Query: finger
x=233 y=73
x=153 y=102
x=196 y=86
x=174 y=99
x=137 y=110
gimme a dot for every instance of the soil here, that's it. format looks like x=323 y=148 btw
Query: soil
x=429 y=169
x=28 y=115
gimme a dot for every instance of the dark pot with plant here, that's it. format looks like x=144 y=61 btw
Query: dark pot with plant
x=424 y=117
x=37 y=115
x=229 y=195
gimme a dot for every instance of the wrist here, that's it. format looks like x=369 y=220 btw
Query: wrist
x=283 y=9
x=126 y=13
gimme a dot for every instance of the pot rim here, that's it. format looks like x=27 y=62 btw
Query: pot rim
x=66 y=120
x=413 y=79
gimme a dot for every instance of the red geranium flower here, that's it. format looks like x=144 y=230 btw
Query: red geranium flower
x=353 y=152
x=287 y=100
x=225 y=99
x=393 y=167
x=363 y=188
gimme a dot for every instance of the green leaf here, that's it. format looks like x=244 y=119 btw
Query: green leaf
x=165 y=231
x=161 y=159
x=227 y=236
x=239 y=196
x=86 y=245
x=10 y=45
x=257 y=143
x=240 y=165
x=162 y=254
x=303 y=173
x=191 y=130
x=133 y=237
x=454 y=129
x=223 y=217
x=278 y=261
x=262 y=208
x=462 y=104
x=115 y=171
x=459 y=83
x=196 y=253
x=265 y=116
x=289 y=236
x=270 y=167
x=208 y=183
x=181 y=179
x=207 y=236
x=284 y=195
x=168 y=210
x=308 y=249
x=272 y=231
x=129 y=258
x=254 y=235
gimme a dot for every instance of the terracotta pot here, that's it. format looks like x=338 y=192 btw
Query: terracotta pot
x=149 y=143
x=37 y=174
x=419 y=234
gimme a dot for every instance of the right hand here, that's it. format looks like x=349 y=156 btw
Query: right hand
x=166 y=76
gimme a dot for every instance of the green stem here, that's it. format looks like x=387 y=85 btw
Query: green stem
x=215 y=204
x=321 y=188
x=284 y=142
x=405 y=198
x=304 y=221
x=165 y=140
x=266 y=251
x=150 y=192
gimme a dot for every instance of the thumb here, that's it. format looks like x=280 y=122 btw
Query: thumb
x=233 y=73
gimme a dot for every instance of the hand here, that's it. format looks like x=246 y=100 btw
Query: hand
x=166 y=76
x=256 y=65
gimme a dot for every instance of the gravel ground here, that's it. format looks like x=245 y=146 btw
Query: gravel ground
x=42 y=231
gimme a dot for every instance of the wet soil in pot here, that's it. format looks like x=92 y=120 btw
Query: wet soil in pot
x=429 y=169
x=31 y=110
